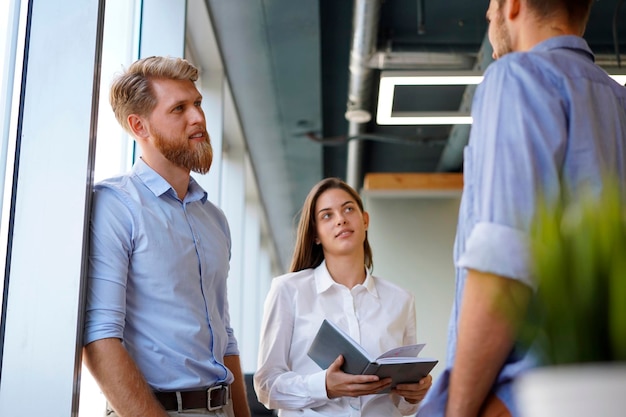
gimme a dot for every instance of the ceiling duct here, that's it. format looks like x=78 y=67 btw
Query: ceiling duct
x=391 y=60
x=364 y=37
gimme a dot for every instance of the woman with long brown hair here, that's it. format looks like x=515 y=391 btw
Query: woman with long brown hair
x=331 y=279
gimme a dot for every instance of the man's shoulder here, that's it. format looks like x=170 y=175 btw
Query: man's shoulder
x=548 y=63
x=117 y=182
x=511 y=65
x=118 y=189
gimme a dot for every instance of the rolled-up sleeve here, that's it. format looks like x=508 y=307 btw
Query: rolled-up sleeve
x=499 y=250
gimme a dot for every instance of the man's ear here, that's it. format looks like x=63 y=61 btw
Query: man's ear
x=138 y=126
x=513 y=8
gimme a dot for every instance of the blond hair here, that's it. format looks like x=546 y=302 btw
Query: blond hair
x=131 y=91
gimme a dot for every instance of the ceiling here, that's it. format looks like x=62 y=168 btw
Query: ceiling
x=288 y=62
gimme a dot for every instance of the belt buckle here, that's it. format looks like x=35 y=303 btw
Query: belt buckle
x=223 y=397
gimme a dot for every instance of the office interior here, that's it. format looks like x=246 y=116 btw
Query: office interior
x=293 y=91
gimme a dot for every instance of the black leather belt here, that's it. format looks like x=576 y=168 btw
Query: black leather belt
x=211 y=399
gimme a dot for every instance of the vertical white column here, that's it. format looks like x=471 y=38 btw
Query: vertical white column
x=162 y=28
x=250 y=294
x=233 y=201
x=42 y=324
x=11 y=57
x=233 y=204
x=212 y=89
x=202 y=49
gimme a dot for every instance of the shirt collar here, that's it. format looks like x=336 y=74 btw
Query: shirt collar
x=575 y=43
x=159 y=186
x=323 y=280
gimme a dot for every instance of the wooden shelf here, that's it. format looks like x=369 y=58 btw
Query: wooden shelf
x=411 y=184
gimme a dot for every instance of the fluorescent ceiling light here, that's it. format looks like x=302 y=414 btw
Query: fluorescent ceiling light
x=621 y=79
x=617 y=73
x=390 y=79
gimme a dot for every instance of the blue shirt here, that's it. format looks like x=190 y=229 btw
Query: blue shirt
x=546 y=122
x=157 y=279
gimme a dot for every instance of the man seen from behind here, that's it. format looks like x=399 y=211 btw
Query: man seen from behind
x=547 y=122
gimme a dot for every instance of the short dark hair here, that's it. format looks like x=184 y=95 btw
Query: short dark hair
x=577 y=10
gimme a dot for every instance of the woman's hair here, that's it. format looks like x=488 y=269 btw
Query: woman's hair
x=131 y=91
x=308 y=254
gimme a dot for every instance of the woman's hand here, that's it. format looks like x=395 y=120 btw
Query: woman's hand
x=341 y=384
x=414 y=393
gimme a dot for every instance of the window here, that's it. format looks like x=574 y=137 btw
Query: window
x=49 y=257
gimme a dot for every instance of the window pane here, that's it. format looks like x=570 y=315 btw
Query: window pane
x=114 y=148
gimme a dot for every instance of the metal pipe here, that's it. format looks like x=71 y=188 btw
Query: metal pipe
x=421 y=20
x=364 y=37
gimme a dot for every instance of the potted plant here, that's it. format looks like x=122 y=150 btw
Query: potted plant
x=579 y=310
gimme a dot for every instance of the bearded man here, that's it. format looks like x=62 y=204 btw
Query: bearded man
x=157 y=335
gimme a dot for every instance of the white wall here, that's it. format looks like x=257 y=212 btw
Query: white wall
x=412 y=240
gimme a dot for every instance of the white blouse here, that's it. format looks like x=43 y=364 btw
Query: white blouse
x=377 y=314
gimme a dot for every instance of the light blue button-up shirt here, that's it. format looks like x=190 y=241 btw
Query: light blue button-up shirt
x=546 y=122
x=157 y=279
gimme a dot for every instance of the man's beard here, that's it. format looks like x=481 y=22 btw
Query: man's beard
x=196 y=157
x=503 y=37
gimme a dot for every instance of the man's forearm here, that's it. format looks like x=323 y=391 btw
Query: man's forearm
x=490 y=309
x=120 y=380
x=238 y=387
